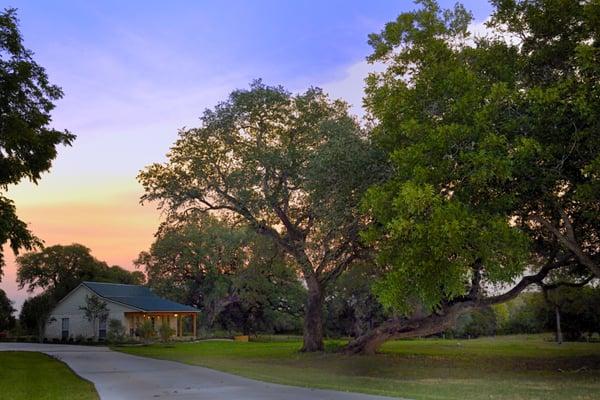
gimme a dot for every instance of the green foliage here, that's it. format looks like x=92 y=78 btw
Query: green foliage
x=483 y=322
x=291 y=167
x=94 y=310
x=35 y=313
x=486 y=136
x=94 y=307
x=146 y=331
x=442 y=240
x=116 y=331
x=578 y=311
x=192 y=262
x=27 y=143
x=165 y=332
x=7 y=320
x=524 y=314
x=238 y=279
x=268 y=156
x=443 y=215
x=533 y=312
x=351 y=307
x=269 y=295
x=554 y=106
x=59 y=269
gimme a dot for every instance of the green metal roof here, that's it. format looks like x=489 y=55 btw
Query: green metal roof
x=136 y=296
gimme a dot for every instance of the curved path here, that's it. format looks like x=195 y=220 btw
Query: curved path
x=123 y=376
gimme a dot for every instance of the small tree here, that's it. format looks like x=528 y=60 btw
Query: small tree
x=146 y=331
x=165 y=332
x=35 y=314
x=7 y=320
x=94 y=309
x=116 y=331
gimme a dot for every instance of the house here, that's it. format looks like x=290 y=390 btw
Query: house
x=130 y=304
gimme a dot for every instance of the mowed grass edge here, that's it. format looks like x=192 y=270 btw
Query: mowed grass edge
x=30 y=375
x=516 y=367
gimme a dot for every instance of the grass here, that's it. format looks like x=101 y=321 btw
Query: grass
x=515 y=367
x=28 y=375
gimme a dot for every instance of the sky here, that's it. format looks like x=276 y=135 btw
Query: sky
x=134 y=73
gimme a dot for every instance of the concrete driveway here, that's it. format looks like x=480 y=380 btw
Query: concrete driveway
x=123 y=376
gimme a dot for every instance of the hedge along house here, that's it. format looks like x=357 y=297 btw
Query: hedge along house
x=130 y=304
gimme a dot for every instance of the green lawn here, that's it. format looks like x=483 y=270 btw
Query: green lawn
x=27 y=375
x=518 y=367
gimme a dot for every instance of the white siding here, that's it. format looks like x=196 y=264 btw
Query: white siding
x=69 y=307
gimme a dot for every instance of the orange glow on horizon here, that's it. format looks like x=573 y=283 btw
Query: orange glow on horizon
x=115 y=226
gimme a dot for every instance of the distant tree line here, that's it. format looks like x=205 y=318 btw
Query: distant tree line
x=534 y=312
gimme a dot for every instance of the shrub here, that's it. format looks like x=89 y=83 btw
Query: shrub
x=116 y=331
x=145 y=331
x=165 y=332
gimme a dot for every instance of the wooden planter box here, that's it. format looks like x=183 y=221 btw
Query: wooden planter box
x=241 y=338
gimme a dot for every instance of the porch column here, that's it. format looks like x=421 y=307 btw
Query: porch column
x=179 y=326
x=194 y=324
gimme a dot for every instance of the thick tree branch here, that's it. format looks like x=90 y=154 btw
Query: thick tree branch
x=398 y=328
x=569 y=242
x=556 y=285
x=333 y=274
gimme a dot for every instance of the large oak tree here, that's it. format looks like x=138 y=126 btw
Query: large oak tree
x=496 y=151
x=293 y=167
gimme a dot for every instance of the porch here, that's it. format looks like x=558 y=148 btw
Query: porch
x=183 y=323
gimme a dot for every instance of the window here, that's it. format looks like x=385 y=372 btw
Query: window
x=65 y=329
x=102 y=327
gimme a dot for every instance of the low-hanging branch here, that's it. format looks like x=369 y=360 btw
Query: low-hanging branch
x=445 y=317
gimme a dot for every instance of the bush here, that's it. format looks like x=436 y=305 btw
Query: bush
x=145 y=331
x=116 y=331
x=165 y=332
x=483 y=323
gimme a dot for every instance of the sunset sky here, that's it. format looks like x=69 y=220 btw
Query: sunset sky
x=134 y=73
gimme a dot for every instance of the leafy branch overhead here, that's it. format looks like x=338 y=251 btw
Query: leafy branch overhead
x=495 y=149
x=28 y=145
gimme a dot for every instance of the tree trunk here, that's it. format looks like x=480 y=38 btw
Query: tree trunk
x=559 y=335
x=94 y=330
x=313 y=317
x=41 y=330
x=397 y=328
